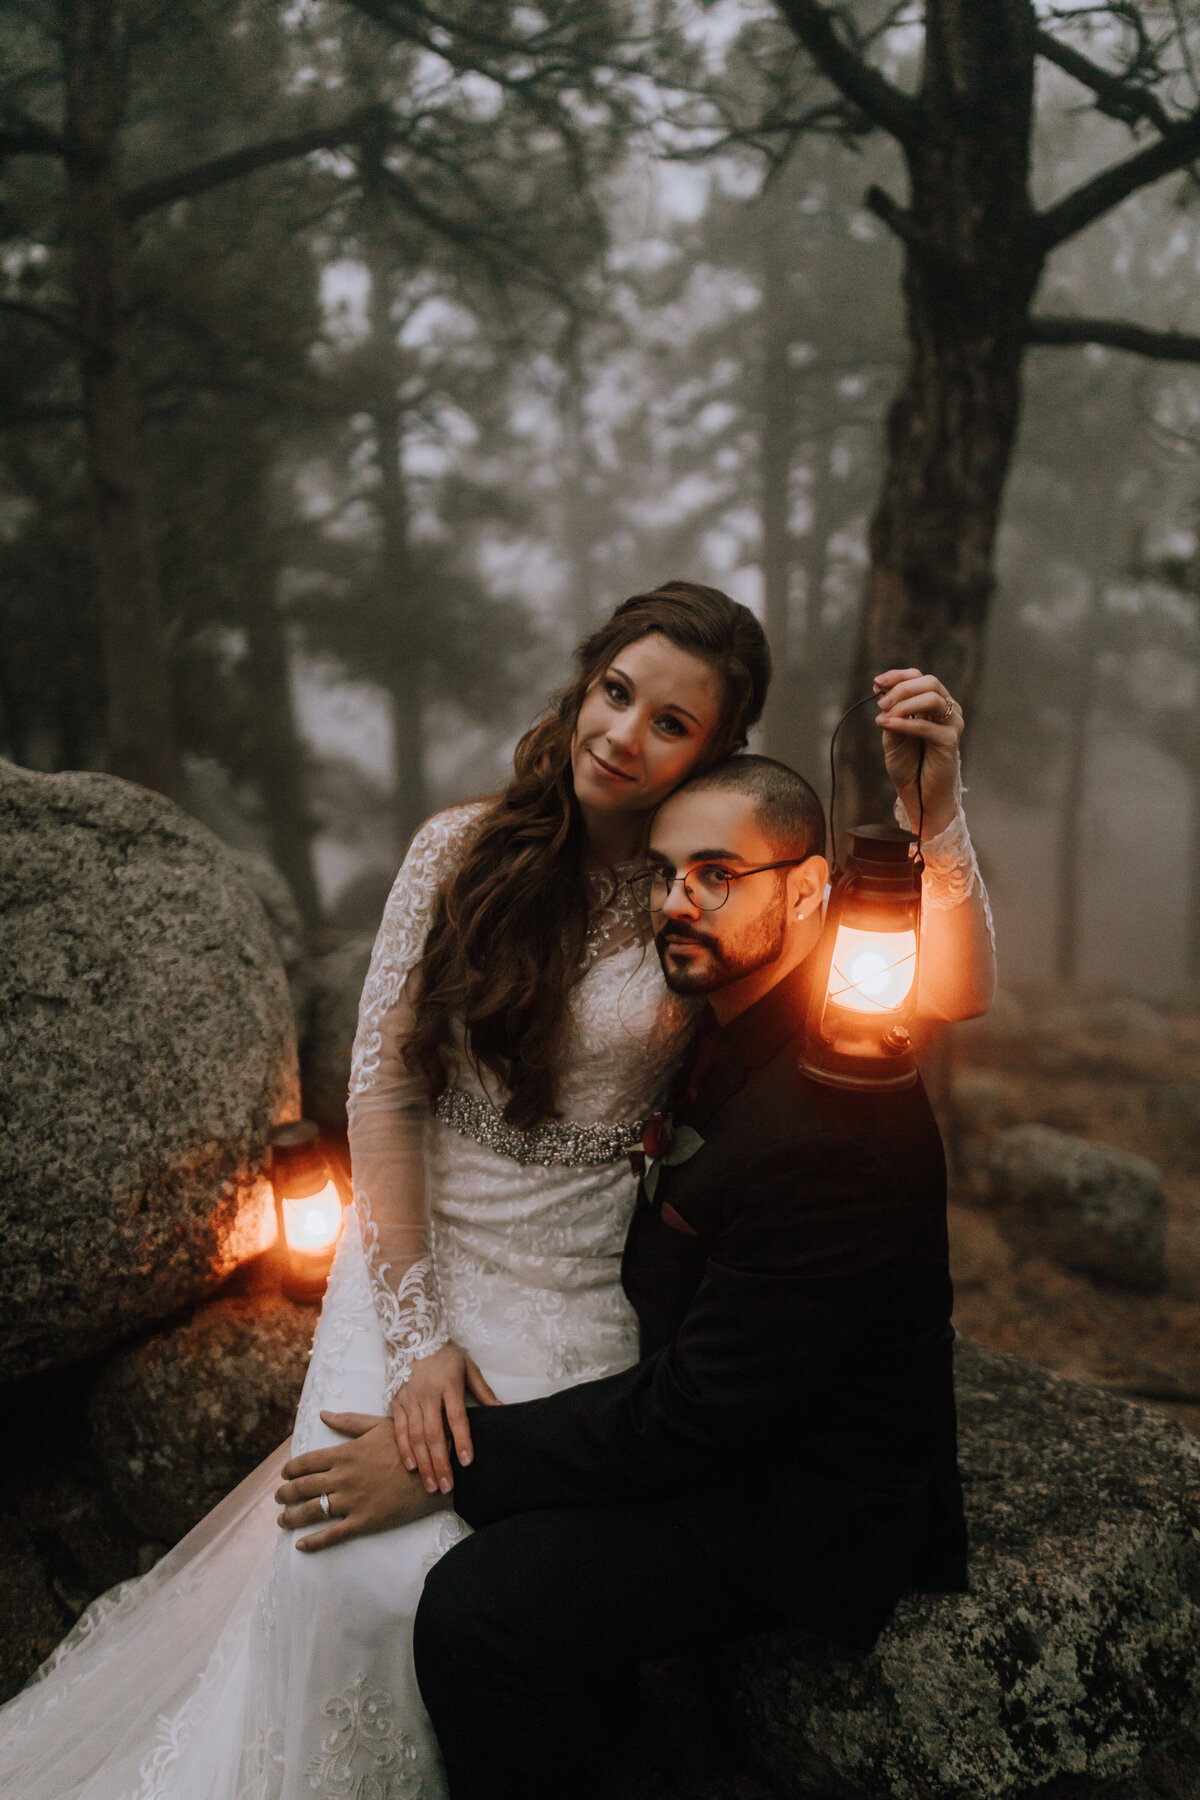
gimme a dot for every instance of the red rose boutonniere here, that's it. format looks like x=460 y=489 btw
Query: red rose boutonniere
x=662 y=1142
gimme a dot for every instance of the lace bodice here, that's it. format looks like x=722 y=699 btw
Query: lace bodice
x=625 y=1036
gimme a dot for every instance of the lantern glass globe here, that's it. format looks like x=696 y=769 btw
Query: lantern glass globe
x=872 y=971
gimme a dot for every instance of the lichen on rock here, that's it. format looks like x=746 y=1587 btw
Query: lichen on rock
x=183 y=1415
x=1086 y=1205
x=336 y=984
x=1077 y=1651
x=148 y=1047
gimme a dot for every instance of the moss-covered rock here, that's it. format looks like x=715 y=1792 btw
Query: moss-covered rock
x=1076 y=1656
x=336 y=984
x=181 y=1417
x=148 y=1047
x=1083 y=1204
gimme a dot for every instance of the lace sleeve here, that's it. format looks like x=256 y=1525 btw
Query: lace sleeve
x=958 y=940
x=951 y=874
x=389 y=1114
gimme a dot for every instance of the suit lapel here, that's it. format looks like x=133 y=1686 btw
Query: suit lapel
x=745 y=1046
x=726 y=1078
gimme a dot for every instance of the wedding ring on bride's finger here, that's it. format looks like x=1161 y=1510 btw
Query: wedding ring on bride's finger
x=326 y=1509
x=948 y=714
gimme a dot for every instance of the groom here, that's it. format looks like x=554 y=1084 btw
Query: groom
x=785 y=1449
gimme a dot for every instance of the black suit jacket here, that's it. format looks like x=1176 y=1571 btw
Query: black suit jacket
x=794 y=1403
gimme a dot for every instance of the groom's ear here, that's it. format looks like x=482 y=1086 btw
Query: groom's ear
x=806 y=885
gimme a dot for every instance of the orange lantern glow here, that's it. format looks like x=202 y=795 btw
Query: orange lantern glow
x=309 y=1206
x=864 y=989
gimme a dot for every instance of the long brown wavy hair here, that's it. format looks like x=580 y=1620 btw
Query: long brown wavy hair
x=509 y=931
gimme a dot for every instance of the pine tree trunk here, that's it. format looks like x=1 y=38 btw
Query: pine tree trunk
x=578 y=523
x=404 y=669
x=1067 y=917
x=813 y=680
x=140 y=732
x=1192 y=947
x=972 y=266
x=776 y=450
x=281 y=760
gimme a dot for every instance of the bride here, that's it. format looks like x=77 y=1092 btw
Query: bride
x=513 y=1034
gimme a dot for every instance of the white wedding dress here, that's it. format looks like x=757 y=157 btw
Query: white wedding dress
x=241 y=1669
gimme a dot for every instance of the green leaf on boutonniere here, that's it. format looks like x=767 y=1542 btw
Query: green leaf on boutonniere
x=684 y=1144
x=685 y=1141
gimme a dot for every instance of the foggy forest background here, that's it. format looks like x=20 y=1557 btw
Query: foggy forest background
x=359 y=355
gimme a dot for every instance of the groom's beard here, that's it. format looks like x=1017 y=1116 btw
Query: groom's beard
x=716 y=962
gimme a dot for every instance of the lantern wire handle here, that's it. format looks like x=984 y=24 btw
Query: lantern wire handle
x=833 y=785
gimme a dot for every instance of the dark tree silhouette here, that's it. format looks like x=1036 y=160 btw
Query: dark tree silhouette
x=975 y=246
x=428 y=155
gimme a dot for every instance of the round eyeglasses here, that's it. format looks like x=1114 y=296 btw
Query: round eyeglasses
x=705 y=884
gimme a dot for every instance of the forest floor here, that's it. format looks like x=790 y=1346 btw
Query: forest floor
x=1122 y=1073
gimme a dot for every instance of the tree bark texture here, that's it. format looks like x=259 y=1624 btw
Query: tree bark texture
x=1192 y=942
x=776 y=450
x=404 y=661
x=1070 y=845
x=972 y=266
x=140 y=735
x=793 y=723
x=817 y=679
x=282 y=761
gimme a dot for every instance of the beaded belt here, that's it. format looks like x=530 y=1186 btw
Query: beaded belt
x=553 y=1145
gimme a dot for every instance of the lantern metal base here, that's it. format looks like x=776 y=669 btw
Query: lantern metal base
x=863 y=1073
x=305 y=1290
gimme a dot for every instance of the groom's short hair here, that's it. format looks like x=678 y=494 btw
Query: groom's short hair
x=786 y=807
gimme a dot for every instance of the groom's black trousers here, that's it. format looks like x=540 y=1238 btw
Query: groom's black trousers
x=525 y=1630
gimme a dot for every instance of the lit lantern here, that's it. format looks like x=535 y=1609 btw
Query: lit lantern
x=864 y=988
x=309 y=1206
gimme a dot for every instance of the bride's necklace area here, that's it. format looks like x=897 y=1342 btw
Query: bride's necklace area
x=616 y=920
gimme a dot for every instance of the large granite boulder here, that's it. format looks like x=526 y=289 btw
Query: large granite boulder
x=284 y=919
x=1076 y=1656
x=181 y=1417
x=31 y=1618
x=335 y=985
x=148 y=1047
x=1173 y=1115
x=63 y=1539
x=1086 y=1206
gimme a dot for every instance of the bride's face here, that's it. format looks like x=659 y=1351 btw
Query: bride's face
x=643 y=724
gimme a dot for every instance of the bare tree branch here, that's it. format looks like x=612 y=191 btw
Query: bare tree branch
x=897 y=218
x=1115 y=334
x=1175 y=149
x=1119 y=98
x=205 y=176
x=885 y=105
x=20 y=418
x=52 y=321
x=22 y=135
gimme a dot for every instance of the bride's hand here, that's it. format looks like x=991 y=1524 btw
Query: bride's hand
x=916 y=708
x=432 y=1399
